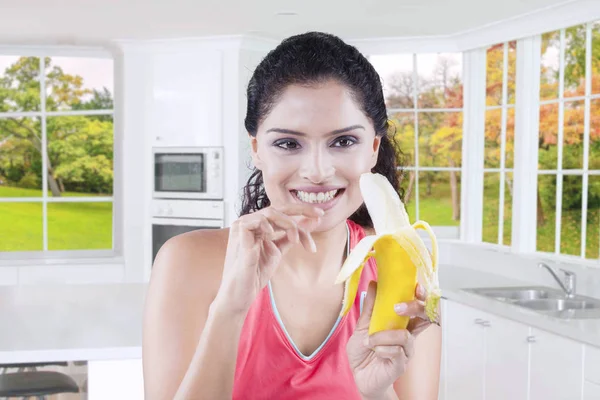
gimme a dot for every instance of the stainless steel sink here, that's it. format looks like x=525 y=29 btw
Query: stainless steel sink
x=544 y=300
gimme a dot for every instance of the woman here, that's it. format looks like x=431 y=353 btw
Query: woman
x=251 y=312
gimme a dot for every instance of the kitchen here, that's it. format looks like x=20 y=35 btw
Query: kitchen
x=180 y=157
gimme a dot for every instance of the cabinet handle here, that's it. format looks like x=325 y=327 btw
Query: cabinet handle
x=486 y=324
x=531 y=339
x=479 y=321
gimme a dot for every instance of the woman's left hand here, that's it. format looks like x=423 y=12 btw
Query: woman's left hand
x=379 y=360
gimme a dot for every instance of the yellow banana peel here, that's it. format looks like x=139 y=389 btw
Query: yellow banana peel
x=401 y=256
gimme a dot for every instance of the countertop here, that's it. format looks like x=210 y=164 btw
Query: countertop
x=104 y=321
x=71 y=322
x=453 y=279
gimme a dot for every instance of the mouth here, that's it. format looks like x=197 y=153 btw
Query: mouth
x=318 y=198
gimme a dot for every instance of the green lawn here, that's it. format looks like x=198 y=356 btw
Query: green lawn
x=80 y=226
x=437 y=210
x=71 y=226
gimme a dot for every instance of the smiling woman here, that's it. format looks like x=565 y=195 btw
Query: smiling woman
x=258 y=312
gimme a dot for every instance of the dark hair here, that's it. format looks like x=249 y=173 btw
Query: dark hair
x=313 y=58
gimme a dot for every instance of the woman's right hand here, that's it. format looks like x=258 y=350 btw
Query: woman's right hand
x=257 y=242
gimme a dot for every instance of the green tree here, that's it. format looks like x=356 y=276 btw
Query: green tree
x=79 y=152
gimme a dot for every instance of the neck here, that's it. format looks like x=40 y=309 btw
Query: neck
x=323 y=265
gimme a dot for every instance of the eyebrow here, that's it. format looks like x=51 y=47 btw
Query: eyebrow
x=335 y=132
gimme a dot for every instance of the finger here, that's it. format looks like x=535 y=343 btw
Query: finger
x=282 y=221
x=246 y=230
x=301 y=209
x=393 y=337
x=389 y=352
x=365 y=317
x=284 y=243
x=415 y=308
x=417 y=326
x=420 y=292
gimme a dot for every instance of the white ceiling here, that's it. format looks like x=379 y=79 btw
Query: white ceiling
x=97 y=21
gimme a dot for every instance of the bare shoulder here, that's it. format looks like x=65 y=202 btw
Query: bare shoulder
x=185 y=278
x=191 y=259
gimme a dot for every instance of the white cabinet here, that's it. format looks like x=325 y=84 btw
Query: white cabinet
x=493 y=358
x=506 y=359
x=591 y=391
x=187 y=98
x=556 y=367
x=592 y=364
x=464 y=353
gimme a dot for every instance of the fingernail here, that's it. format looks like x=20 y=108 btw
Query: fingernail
x=400 y=308
x=366 y=342
x=313 y=246
x=421 y=290
x=320 y=211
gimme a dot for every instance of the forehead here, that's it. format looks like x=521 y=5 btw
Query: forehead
x=328 y=105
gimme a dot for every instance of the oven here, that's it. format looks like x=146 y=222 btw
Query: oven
x=176 y=216
x=188 y=173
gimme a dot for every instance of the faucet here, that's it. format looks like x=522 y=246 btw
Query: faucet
x=569 y=282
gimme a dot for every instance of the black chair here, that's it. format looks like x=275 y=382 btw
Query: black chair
x=36 y=383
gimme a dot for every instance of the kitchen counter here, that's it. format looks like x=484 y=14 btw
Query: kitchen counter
x=453 y=279
x=71 y=322
x=104 y=321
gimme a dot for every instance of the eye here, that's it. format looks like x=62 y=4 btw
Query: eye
x=287 y=144
x=344 y=141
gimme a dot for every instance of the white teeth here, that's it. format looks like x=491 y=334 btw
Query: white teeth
x=312 y=197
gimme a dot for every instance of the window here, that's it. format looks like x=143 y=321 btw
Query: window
x=499 y=143
x=568 y=180
x=56 y=155
x=424 y=95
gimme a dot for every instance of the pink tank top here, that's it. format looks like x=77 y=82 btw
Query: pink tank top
x=269 y=365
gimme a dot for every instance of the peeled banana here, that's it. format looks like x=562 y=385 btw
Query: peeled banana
x=401 y=256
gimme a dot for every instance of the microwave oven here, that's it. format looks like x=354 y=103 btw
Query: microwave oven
x=188 y=173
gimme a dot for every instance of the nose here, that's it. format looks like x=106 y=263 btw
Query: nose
x=317 y=166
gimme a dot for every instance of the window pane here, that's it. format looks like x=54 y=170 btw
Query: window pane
x=548 y=151
x=592 y=242
x=79 y=83
x=21 y=228
x=19 y=84
x=575 y=61
x=20 y=158
x=491 y=201
x=570 y=229
x=573 y=135
x=550 y=65
x=509 y=150
x=512 y=72
x=440 y=139
x=594 y=155
x=408 y=183
x=493 y=126
x=508 y=196
x=396 y=73
x=596 y=57
x=80 y=149
x=79 y=226
x=439 y=198
x=440 y=80
x=403 y=124
x=494 y=74
x=546 y=213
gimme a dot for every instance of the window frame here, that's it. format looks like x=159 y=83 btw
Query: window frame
x=35 y=257
x=443 y=232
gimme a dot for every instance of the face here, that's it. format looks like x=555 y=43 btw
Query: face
x=312 y=147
